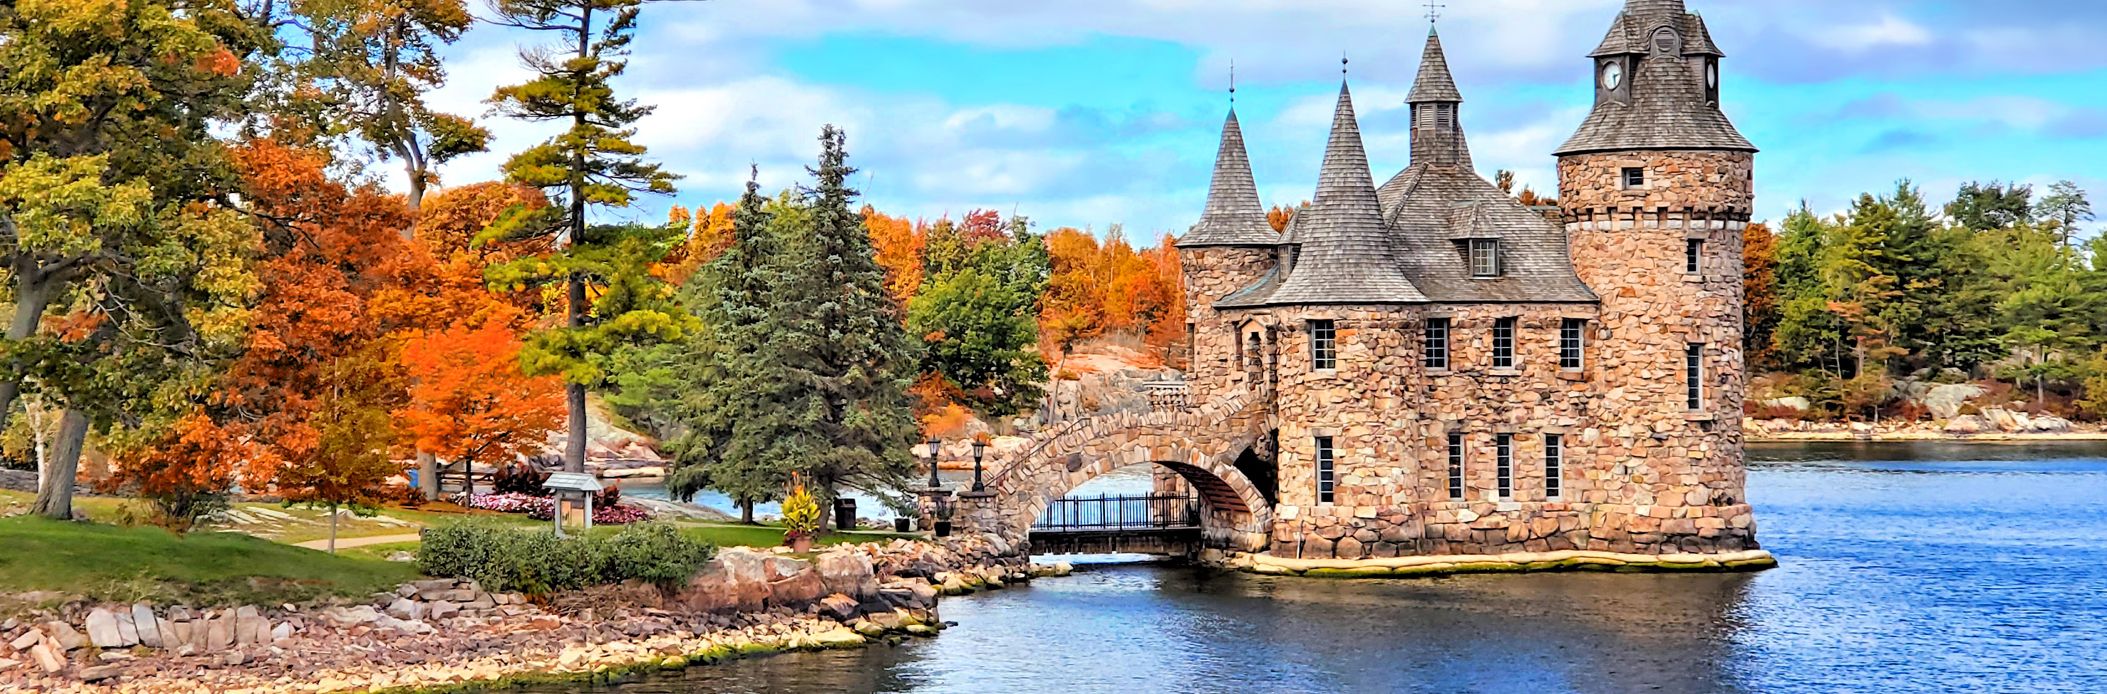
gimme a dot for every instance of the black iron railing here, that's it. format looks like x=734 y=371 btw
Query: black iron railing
x=1151 y=512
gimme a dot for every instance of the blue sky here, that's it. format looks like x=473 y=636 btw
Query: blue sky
x=1090 y=113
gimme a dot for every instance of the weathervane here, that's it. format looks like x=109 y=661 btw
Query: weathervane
x=1342 y=63
x=1232 y=81
x=1434 y=11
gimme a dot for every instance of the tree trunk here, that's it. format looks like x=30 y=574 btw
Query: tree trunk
x=55 y=499
x=31 y=297
x=574 y=449
x=332 y=528
x=746 y=512
x=428 y=475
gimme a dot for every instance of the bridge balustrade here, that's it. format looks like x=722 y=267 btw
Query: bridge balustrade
x=1114 y=513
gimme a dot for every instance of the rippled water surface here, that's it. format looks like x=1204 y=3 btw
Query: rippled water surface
x=1906 y=567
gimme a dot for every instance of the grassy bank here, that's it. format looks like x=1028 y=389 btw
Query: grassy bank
x=107 y=562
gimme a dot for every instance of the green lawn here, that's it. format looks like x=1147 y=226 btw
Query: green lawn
x=107 y=562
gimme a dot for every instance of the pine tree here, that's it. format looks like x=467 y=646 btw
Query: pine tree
x=593 y=163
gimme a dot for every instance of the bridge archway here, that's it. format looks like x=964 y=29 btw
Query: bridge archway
x=1200 y=443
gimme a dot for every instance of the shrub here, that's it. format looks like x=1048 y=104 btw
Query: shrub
x=655 y=553
x=538 y=562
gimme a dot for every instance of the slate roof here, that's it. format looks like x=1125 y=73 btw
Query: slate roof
x=1668 y=108
x=1405 y=242
x=1437 y=127
x=1234 y=215
x=1433 y=210
x=1434 y=82
x=1345 y=255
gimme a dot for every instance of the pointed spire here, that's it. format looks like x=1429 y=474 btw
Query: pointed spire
x=1234 y=216
x=1434 y=83
x=1437 y=121
x=1346 y=256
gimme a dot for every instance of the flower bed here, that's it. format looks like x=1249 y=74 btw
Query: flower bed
x=542 y=508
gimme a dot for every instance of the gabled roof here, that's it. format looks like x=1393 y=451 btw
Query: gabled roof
x=1345 y=255
x=1234 y=215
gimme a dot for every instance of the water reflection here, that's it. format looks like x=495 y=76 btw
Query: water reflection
x=1907 y=567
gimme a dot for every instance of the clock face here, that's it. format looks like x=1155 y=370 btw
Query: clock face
x=1712 y=75
x=1612 y=76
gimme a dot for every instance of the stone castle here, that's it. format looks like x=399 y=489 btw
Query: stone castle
x=1427 y=367
x=1452 y=372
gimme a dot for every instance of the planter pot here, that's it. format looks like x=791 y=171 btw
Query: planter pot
x=901 y=525
x=801 y=543
x=943 y=528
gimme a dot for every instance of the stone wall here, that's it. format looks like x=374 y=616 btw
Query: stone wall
x=1212 y=273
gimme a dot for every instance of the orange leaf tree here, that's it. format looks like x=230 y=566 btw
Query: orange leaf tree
x=470 y=401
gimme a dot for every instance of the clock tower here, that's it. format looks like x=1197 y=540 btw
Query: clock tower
x=1655 y=189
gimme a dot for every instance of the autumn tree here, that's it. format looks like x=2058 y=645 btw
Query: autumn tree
x=899 y=243
x=354 y=438
x=112 y=211
x=592 y=164
x=1759 y=279
x=364 y=70
x=469 y=402
x=1279 y=216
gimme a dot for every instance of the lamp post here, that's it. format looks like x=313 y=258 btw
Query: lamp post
x=980 y=448
x=935 y=444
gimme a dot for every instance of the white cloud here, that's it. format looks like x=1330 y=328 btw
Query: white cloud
x=1889 y=31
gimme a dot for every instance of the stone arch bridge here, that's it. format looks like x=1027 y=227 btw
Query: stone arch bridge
x=1203 y=445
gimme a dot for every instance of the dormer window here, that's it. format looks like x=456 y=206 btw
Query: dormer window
x=1485 y=258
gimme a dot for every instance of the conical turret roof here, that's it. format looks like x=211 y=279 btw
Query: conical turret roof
x=1434 y=83
x=1345 y=255
x=1234 y=215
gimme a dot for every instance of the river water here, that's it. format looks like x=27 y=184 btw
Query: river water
x=1905 y=567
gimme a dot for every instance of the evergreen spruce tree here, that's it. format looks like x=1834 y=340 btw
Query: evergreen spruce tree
x=734 y=402
x=844 y=341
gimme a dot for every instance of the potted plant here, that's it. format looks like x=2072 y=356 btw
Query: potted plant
x=800 y=517
x=943 y=517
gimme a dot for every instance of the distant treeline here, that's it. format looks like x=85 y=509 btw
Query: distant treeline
x=1998 y=284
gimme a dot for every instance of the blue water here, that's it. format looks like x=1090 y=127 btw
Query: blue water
x=1906 y=568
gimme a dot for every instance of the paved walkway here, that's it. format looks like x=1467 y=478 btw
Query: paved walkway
x=350 y=542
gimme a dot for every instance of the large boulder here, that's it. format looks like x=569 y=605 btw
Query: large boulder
x=2005 y=420
x=2048 y=424
x=1965 y=425
x=735 y=581
x=1945 y=401
x=1794 y=403
x=848 y=573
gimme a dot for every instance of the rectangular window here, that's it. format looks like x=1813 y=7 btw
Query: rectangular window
x=1503 y=460
x=1324 y=470
x=1485 y=258
x=1572 y=343
x=1634 y=178
x=1693 y=257
x=1324 y=346
x=1694 y=376
x=1437 y=347
x=1503 y=343
x=1456 y=466
x=1554 y=466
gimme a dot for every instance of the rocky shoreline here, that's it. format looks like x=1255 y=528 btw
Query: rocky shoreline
x=449 y=635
